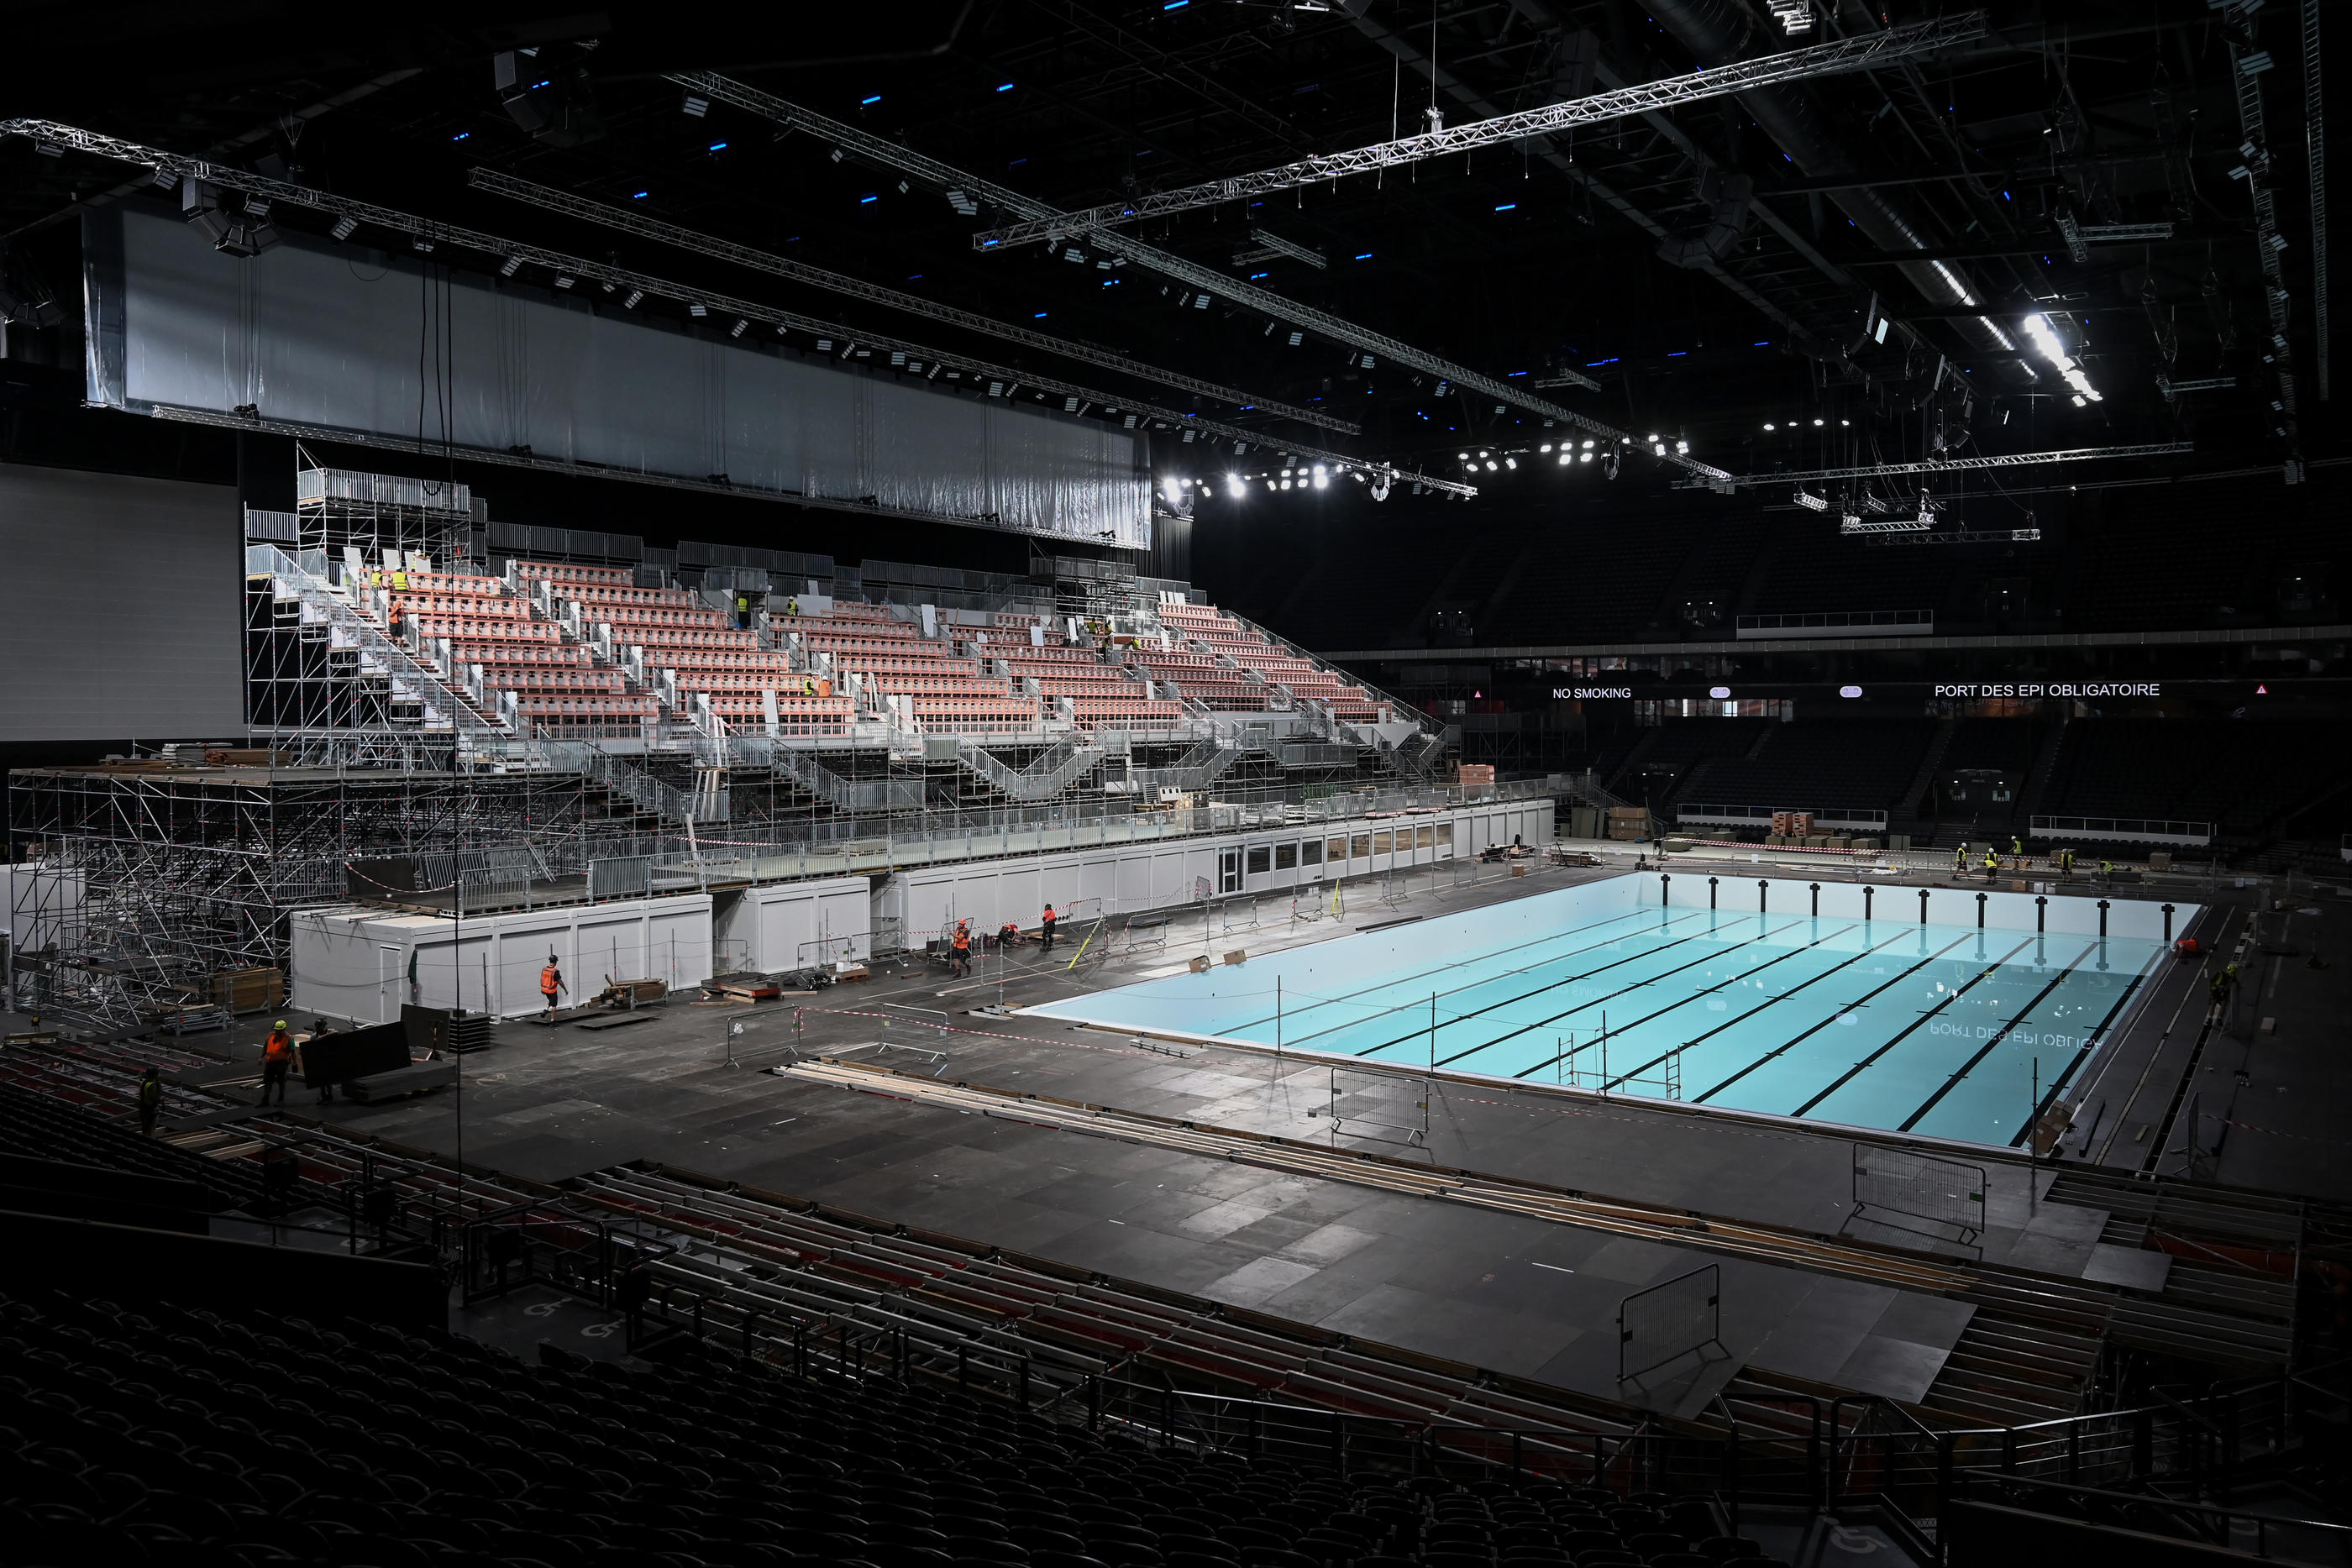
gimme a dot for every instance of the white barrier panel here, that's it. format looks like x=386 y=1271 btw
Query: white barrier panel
x=362 y=965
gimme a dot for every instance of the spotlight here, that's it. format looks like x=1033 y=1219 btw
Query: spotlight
x=509 y=267
x=697 y=312
x=696 y=106
x=1682 y=446
x=1584 y=456
x=344 y=227
x=1588 y=446
x=1817 y=424
x=739 y=327
x=1566 y=456
x=1507 y=463
x=564 y=282
x=1490 y=465
x=630 y=302
x=1767 y=424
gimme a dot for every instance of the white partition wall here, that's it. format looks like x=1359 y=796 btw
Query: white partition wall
x=793 y=924
x=362 y=965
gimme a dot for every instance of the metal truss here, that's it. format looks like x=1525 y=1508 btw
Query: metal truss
x=745 y=255
x=1862 y=52
x=432 y=234
x=2314 y=136
x=2245 y=70
x=1965 y=464
x=885 y=154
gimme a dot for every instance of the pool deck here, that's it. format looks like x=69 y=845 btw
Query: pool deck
x=1516 y=1293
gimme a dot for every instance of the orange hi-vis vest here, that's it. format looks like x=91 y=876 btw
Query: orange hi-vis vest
x=279 y=1047
x=962 y=940
x=551 y=980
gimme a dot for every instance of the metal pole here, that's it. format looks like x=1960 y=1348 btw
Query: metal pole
x=1433 y=1031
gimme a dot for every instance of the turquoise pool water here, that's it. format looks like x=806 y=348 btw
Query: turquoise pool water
x=1936 y=1029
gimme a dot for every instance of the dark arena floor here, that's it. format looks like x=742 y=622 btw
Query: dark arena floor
x=1500 y=1239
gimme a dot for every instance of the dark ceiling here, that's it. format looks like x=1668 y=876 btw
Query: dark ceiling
x=1872 y=194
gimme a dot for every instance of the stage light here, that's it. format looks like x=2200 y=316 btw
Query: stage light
x=739 y=327
x=344 y=226
x=1817 y=424
x=1545 y=447
x=1507 y=463
x=1584 y=456
x=1463 y=456
x=697 y=312
x=696 y=106
x=1566 y=456
x=1490 y=465
x=1767 y=424
x=1682 y=447
x=563 y=282
x=509 y=267
x=1285 y=484
x=1588 y=446
x=420 y=244
x=1234 y=487
x=1810 y=502
x=1321 y=481
x=2045 y=340
x=630 y=302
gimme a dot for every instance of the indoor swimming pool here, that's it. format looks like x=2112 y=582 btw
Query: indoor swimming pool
x=1864 y=1013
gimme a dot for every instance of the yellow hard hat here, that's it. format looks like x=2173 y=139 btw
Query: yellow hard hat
x=280 y=1024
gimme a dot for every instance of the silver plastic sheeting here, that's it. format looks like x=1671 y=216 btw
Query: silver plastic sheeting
x=312 y=334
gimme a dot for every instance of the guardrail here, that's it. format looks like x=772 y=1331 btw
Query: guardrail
x=2123 y=829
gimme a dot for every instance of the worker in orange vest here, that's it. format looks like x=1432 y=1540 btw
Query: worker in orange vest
x=1045 y=925
x=963 y=949
x=395 y=617
x=551 y=981
x=277 y=1061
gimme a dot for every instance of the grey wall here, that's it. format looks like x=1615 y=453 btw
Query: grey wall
x=121 y=608
x=311 y=333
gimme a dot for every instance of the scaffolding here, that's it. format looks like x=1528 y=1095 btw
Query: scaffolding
x=142 y=887
x=339 y=510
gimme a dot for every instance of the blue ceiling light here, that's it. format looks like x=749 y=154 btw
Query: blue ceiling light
x=639 y=195
x=1596 y=364
x=1677 y=353
x=869 y=102
x=914 y=278
x=719 y=147
x=461 y=136
x=1175 y=5
x=1255 y=275
x=1518 y=372
x=1004 y=86
x=1508 y=207
x=1764 y=343
x=1366 y=256
x=869 y=196
x=1039 y=317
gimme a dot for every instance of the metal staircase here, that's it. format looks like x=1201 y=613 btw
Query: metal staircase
x=375 y=655
x=1052 y=772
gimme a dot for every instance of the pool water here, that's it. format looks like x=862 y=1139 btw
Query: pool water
x=1946 y=1030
